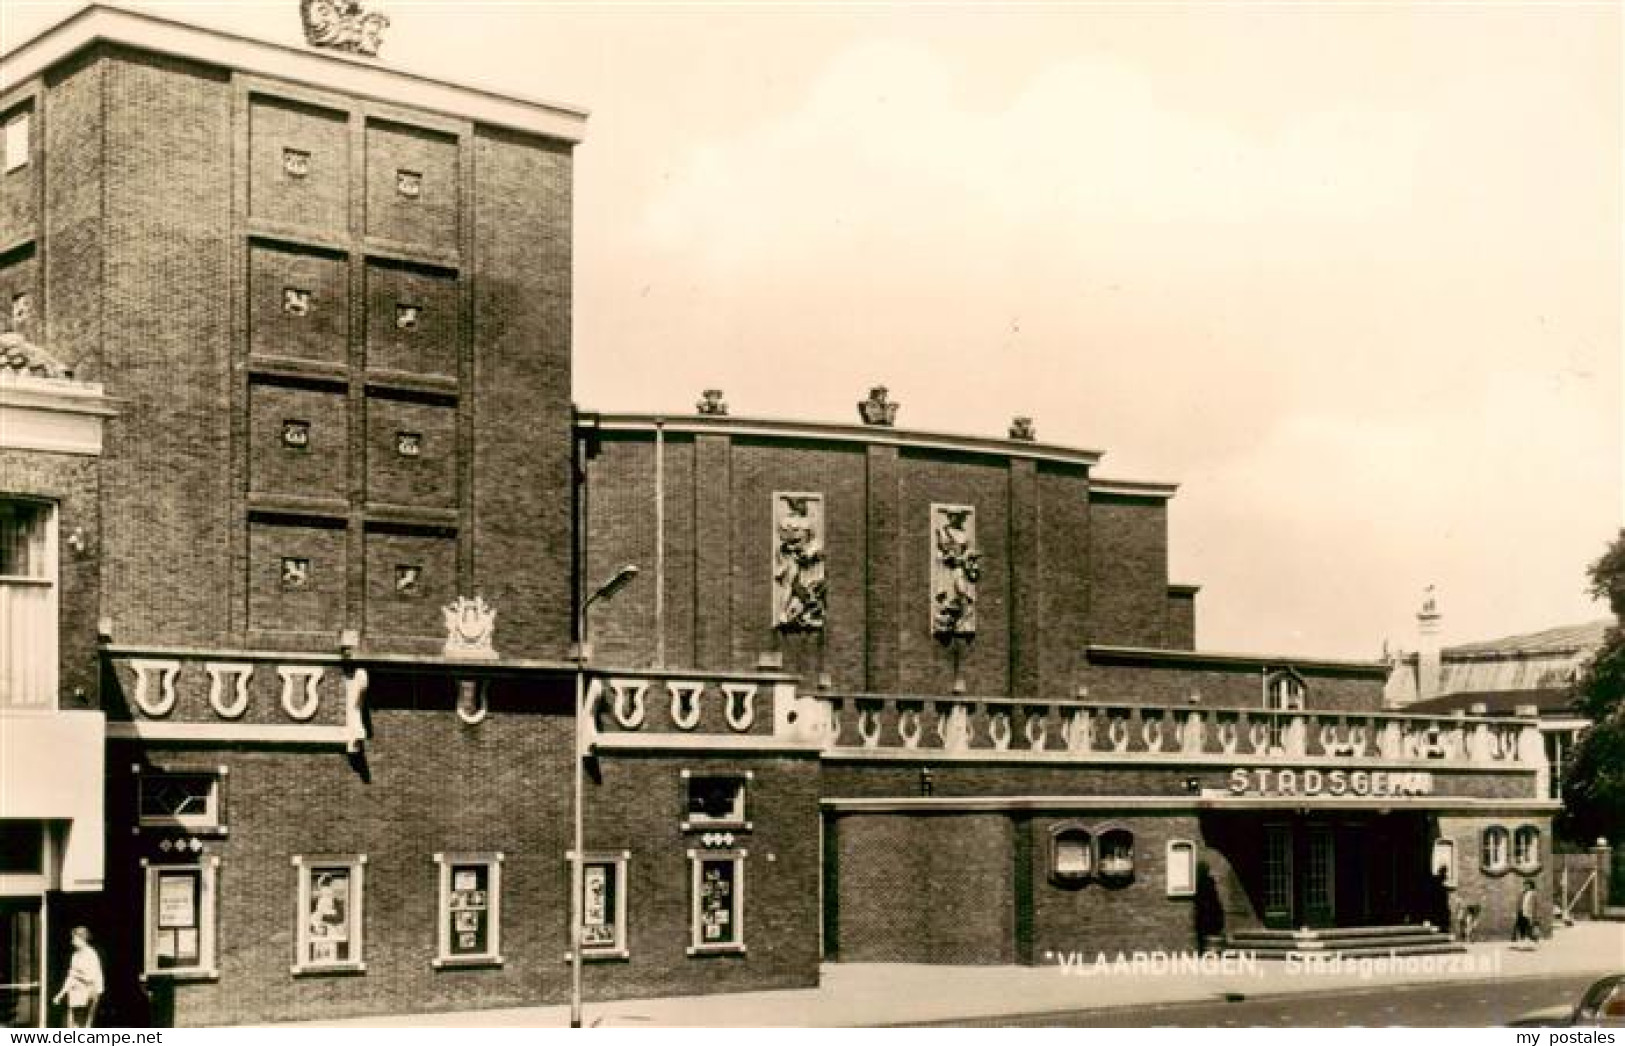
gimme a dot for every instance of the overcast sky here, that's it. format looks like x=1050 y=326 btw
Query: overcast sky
x=1351 y=275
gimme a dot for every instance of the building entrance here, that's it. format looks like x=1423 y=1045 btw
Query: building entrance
x=1313 y=871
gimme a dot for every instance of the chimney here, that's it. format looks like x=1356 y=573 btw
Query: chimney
x=1429 y=670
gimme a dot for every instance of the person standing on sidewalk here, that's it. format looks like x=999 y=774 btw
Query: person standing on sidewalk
x=1524 y=927
x=84 y=984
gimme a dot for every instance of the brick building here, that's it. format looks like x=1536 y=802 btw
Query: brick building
x=293 y=494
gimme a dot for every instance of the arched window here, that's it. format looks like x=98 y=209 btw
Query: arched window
x=1526 y=848
x=1072 y=856
x=1497 y=844
x=1444 y=860
x=1117 y=854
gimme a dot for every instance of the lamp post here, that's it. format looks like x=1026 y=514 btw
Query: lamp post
x=622 y=578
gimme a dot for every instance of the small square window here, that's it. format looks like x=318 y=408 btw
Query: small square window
x=189 y=799
x=296 y=435
x=296 y=301
x=295 y=572
x=407 y=316
x=717 y=917
x=328 y=922
x=22 y=310
x=409 y=183
x=180 y=919
x=470 y=922
x=296 y=163
x=715 y=801
x=408 y=579
x=409 y=444
x=603 y=906
x=16 y=146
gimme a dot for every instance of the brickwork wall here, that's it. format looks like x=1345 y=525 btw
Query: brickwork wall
x=322 y=331
x=321 y=467
x=426 y=479
x=1109 y=915
x=522 y=428
x=432 y=346
x=1129 y=560
x=1063 y=593
x=19 y=188
x=926 y=888
x=167 y=351
x=73 y=226
x=431 y=217
x=1497 y=892
x=1181 y=633
x=1229 y=686
x=286 y=803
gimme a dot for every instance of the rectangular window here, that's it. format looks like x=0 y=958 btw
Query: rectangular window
x=1526 y=849
x=28 y=605
x=714 y=801
x=1444 y=861
x=717 y=923
x=470 y=926
x=328 y=932
x=1181 y=868
x=16 y=133
x=189 y=799
x=180 y=919
x=603 y=905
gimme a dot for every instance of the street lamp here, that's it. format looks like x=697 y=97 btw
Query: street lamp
x=622 y=578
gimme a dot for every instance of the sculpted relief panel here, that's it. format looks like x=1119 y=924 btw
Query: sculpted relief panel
x=956 y=566
x=798 y=562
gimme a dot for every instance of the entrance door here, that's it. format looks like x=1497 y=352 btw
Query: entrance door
x=1278 y=876
x=21 y=990
x=1319 y=908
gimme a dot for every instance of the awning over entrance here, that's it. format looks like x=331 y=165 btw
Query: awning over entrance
x=51 y=770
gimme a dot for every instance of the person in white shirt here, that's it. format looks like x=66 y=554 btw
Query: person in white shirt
x=83 y=986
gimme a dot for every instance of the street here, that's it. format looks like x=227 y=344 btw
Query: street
x=1480 y=1004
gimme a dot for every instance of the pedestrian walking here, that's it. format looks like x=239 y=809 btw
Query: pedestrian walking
x=83 y=986
x=1525 y=927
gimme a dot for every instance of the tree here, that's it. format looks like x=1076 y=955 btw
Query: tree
x=1594 y=785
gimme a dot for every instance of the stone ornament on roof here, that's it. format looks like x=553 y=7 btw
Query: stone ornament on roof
x=20 y=356
x=1021 y=428
x=878 y=409
x=343 y=25
x=712 y=404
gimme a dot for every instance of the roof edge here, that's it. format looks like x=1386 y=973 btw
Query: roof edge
x=99 y=23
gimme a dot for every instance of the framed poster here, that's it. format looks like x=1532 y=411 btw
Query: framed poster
x=469 y=909
x=177 y=900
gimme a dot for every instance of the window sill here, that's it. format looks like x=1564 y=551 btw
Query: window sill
x=328 y=968
x=195 y=974
x=716 y=949
x=184 y=829
x=464 y=962
x=715 y=826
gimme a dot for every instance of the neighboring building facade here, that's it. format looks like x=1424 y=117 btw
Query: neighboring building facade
x=1535 y=672
x=874 y=695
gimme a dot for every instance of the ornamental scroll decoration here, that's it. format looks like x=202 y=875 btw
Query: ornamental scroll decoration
x=343 y=25
x=798 y=562
x=956 y=566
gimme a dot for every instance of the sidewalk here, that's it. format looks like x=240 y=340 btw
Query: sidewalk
x=864 y=994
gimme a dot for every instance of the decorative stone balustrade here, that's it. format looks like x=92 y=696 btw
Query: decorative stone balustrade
x=968 y=727
x=669 y=703
x=237 y=696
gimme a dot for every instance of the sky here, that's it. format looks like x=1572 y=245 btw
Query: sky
x=1349 y=274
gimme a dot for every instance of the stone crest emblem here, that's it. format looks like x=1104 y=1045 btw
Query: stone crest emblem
x=470 y=625
x=343 y=25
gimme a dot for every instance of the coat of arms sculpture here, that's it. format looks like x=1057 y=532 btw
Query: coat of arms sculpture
x=470 y=624
x=343 y=25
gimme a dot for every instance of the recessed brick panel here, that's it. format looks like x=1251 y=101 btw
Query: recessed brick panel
x=19 y=210
x=318 y=606
x=320 y=468
x=318 y=330
x=427 y=343
x=1129 y=558
x=318 y=200
x=428 y=218
x=427 y=480
x=395 y=610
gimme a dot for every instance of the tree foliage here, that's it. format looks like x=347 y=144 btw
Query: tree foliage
x=1594 y=784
